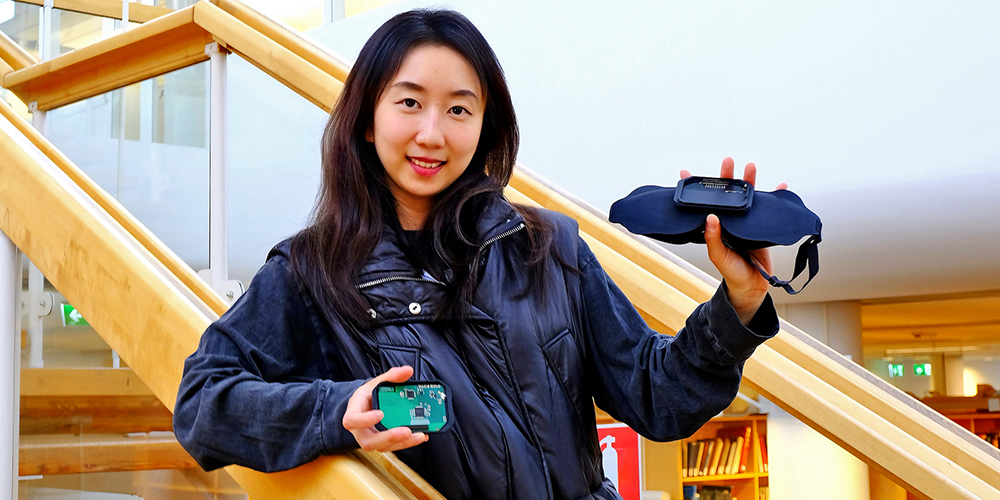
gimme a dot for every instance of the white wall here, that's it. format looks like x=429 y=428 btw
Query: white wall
x=815 y=464
x=881 y=114
x=980 y=370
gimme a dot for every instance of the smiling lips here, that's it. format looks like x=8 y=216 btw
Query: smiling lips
x=425 y=166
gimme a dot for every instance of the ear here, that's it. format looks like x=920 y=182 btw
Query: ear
x=369 y=135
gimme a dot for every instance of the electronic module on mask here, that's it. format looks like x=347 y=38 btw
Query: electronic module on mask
x=750 y=219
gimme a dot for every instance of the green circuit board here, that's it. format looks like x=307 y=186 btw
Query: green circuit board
x=421 y=407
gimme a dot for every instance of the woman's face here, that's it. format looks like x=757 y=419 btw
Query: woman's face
x=426 y=127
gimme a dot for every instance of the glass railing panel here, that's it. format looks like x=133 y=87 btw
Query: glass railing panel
x=73 y=30
x=146 y=145
x=273 y=162
x=19 y=21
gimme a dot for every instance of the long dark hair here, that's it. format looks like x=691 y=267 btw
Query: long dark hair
x=355 y=204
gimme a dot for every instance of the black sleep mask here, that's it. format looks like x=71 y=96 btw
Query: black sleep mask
x=767 y=219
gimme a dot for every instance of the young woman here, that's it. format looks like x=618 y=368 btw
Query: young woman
x=416 y=267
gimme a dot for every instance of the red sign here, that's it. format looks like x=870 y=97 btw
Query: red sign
x=620 y=446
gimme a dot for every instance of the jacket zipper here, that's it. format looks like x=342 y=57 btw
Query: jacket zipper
x=479 y=254
x=396 y=278
x=502 y=235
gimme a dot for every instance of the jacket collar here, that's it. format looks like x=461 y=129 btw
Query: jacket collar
x=388 y=260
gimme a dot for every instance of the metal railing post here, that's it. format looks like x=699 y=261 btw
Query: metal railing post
x=218 y=251
x=10 y=363
x=39 y=303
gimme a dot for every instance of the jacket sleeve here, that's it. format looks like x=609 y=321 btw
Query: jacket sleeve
x=257 y=391
x=665 y=387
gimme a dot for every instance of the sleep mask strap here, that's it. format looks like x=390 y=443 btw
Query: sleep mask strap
x=808 y=254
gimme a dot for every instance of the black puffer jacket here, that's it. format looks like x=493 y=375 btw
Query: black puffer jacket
x=269 y=383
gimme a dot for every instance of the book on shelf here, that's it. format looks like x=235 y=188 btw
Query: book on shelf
x=764 y=493
x=707 y=459
x=716 y=456
x=684 y=458
x=700 y=445
x=762 y=438
x=745 y=452
x=723 y=456
x=728 y=453
x=735 y=453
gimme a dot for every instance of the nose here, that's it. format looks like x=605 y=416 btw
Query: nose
x=430 y=135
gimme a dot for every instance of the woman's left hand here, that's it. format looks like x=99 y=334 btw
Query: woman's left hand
x=746 y=287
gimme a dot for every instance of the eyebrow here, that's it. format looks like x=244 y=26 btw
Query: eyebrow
x=417 y=87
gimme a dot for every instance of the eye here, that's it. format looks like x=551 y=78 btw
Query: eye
x=458 y=110
x=408 y=102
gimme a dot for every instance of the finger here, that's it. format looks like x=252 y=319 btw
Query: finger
x=414 y=440
x=685 y=174
x=394 y=374
x=386 y=439
x=781 y=186
x=750 y=174
x=728 y=167
x=362 y=420
x=361 y=400
x=763 y=258
x=713 y=240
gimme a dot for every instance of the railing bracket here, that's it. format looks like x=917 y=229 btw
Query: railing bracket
x=230 y=290
x=40 y=304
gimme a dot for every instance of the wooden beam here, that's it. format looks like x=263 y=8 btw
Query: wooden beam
x=93 y=414
x=287 y=37
x=137 y=12
x=82 y=382
x=282 y=64
x=165 y=44
x=65 y=454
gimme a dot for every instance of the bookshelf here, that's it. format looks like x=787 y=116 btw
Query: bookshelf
x=746 y=474
x=662 y=463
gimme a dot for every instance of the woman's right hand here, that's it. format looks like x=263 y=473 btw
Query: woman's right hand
x=360 y=418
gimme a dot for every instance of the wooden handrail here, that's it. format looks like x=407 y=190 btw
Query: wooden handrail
x=287 y=37
x=162 y=45
x=13 y=56
x=270 y=56
x=137 y=12
x=165 y=44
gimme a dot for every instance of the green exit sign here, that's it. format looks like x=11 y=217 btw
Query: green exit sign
x=72 y=317
x=922 y=369
x=896 y=370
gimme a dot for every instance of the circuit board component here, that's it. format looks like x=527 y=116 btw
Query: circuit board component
x=420 y=406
